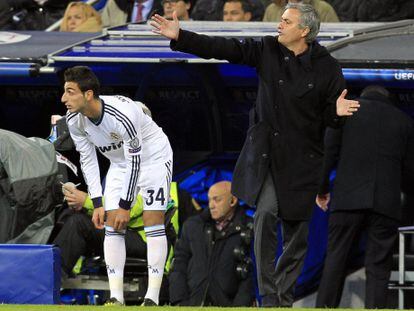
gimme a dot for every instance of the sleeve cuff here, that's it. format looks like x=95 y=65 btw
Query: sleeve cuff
x=174 y=44
x=126 y=205
x=97 y=202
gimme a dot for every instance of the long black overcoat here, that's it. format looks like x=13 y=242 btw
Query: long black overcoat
x=371 y=152
x=296 y=100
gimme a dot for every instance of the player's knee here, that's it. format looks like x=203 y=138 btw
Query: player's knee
x=152 y=218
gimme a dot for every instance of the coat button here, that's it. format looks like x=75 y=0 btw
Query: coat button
x=276 y=106
x=286 y=58
x=250 y=138
x=276 y=134
x=281 y=82
x=264 y=155
x=311 y=155
x=310 y=85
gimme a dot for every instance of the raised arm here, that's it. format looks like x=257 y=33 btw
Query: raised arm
x=236 y=51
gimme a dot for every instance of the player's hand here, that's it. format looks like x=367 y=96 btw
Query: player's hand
x=165 y=27
x=121 y=219
x=98 y=217
x=346 y=107
x=322 y=201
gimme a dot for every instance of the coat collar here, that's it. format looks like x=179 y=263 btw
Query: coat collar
x=305 y=58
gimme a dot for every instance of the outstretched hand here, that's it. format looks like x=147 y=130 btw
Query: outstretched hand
x=346 y=107
x=165 y=27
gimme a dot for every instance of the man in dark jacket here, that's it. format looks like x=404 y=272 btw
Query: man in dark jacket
x=117 y=12
x=212 y=10
x=204 y=271
x=278 y=168
x=32 y=14
x=371 y=150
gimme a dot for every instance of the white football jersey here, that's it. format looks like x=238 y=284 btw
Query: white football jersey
x=125 y=135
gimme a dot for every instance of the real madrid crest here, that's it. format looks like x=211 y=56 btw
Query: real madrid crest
x=115 y=136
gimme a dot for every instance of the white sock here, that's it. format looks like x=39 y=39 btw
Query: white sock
x=115 y=254
x=156 y=257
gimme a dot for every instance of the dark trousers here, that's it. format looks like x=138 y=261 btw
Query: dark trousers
x=277 y=281
x=78 y=237
x=344 y=227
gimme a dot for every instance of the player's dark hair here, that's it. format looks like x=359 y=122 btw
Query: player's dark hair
x=85 y=78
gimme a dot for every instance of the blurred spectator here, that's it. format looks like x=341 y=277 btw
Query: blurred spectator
x=266 y=3
x=181 y=7
x=237 y=11
x=118 y=12
x=30 y=14
x=81 y=17
x=212 y=10
x=211 y=263
x=373 y=10
x=326 y=12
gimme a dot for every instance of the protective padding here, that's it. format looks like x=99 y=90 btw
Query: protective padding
x=29 y=274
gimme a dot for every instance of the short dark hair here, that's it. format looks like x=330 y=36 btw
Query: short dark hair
x=85 y=78
x=375 y=89
x=245 y=4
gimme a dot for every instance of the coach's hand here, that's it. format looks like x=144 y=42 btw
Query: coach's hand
x=98 y=217
x=165 y=27
x=346 y=107
x=121 y=219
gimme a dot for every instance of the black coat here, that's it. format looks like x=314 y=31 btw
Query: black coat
x=204 y=267
x=371 y=150
x=296 y=100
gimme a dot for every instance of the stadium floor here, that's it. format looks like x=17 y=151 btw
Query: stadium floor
x=4 y=307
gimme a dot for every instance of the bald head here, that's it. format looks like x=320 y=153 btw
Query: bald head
x=220 y=200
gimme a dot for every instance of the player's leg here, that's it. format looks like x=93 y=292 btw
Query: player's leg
x=155 y=191
x=114 y=243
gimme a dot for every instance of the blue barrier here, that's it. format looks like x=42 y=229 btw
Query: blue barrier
x=30 y=274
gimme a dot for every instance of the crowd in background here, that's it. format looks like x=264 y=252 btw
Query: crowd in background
x=78 y=16
x=41 y=14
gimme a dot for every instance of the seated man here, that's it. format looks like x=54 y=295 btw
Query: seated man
x=118 y=12
x=79 y=237
x=211 y=263
x=181 y=8
x=237 y=11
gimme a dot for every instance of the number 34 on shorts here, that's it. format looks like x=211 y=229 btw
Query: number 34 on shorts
x=155 y=197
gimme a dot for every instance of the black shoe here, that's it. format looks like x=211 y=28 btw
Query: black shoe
x=269 y=301
x=148 y=302
x=113 y=302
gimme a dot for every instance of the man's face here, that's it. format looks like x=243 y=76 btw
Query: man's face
x=233 y=12
x=289 y=31
x=220 y=202
x=180 y=6
x=73 y=98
